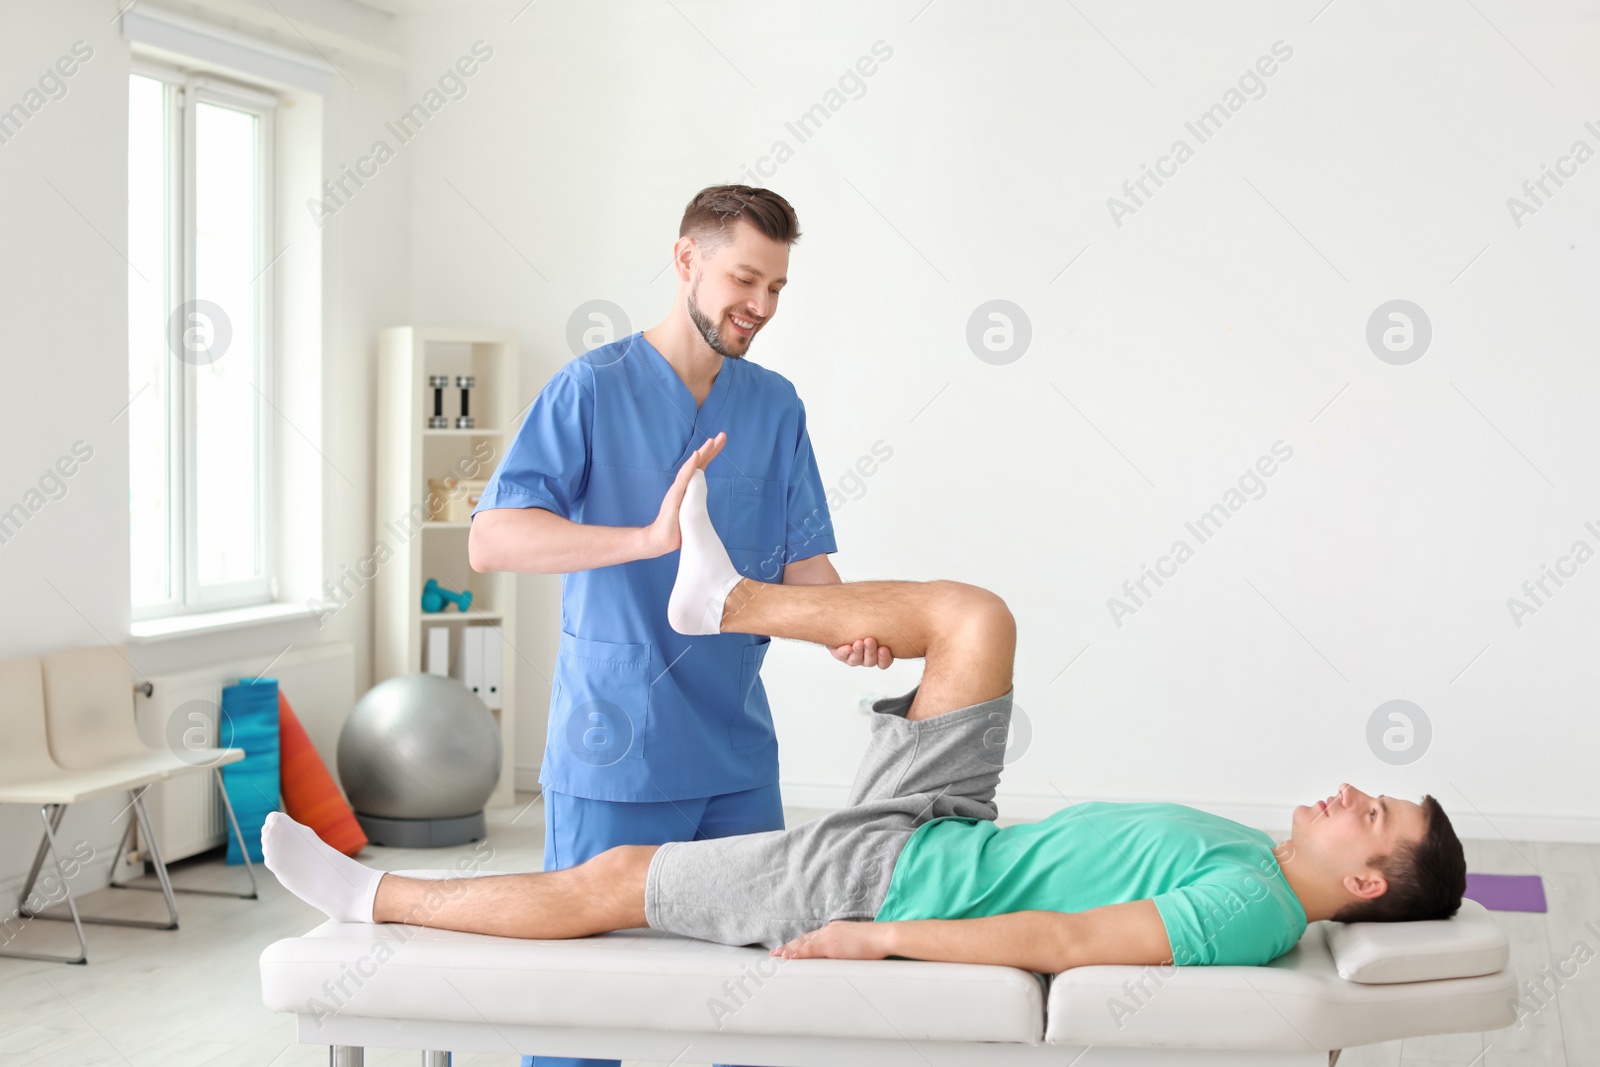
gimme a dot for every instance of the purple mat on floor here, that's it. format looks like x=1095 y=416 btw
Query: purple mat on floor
x=1507 y=892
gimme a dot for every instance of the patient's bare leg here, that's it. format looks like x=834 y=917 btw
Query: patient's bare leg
x=965 y=634
x=605 y=893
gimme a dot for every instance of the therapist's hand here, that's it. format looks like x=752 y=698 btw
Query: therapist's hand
x=663 y=536
x=865 y=652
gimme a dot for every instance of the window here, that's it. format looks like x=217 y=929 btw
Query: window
x=199 y=344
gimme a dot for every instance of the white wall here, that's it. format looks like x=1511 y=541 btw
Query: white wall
x=63 y=320
x=1222 y=316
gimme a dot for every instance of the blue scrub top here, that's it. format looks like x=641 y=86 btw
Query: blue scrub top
x=639 y=712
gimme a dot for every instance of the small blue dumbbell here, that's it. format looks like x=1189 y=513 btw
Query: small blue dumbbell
x=434 y=599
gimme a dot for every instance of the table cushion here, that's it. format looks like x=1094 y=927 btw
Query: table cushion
x=1297 y=1002
x=1466 y=944
x=642 y=979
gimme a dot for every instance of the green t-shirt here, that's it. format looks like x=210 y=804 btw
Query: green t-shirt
x=1215 y=882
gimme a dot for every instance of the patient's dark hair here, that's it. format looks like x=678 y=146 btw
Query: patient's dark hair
x=1427 y=878
x=711 y=215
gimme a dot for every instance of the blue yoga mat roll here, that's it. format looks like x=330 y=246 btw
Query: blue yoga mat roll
x=250 y=722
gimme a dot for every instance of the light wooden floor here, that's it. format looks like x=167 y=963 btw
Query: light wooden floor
x=192 y=995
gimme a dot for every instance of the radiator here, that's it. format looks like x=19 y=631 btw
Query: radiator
x=186 y=812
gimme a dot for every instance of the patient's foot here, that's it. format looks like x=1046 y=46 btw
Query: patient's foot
x=329 y=881
x=705 y=573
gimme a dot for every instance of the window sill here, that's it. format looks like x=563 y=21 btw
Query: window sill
x=215 y=621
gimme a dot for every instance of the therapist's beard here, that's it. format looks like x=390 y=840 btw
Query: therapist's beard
x=710 y=331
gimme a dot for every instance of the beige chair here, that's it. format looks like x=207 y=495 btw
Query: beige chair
x=29 y=776
x=71 y=714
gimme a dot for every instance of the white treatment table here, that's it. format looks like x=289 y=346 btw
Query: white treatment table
x=646 y=995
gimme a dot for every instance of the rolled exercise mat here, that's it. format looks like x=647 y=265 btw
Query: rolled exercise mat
x=250 y=714
x=310 y=795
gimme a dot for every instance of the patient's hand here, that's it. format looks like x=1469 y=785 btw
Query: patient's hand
x=843 y=939
x=864 y=652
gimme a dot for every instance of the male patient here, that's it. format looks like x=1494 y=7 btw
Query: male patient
x=917 y=849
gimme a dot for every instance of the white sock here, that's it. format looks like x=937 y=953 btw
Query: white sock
x=705 y=573
x=329 y=881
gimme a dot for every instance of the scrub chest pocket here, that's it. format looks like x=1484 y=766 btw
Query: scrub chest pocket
x=753 y=513
x=601 y=699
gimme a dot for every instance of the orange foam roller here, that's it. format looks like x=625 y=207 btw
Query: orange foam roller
x=310 y=795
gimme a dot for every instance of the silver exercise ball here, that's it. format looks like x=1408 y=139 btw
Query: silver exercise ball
x=418 y=758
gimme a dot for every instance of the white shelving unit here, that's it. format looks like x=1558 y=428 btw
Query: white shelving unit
x=409 y=454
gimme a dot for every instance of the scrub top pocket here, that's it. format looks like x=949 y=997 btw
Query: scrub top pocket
x=600 y=699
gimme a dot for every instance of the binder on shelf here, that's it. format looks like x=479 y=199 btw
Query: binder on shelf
x=471 y=661
x=493 y=646
x=439 y=650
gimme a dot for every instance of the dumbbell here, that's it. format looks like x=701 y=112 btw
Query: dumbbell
x=434 y=598
x=464 y=382
x=438 y=420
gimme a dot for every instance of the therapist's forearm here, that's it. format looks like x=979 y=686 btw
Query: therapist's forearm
x=536 y=541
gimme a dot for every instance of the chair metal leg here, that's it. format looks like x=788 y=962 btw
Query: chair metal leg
x=244 y=850
x=54 y=823
x=155 y=853
x=144 y=820
x=344 y=1056
x=249 y=868
x=435 y=1059
x=51 y=816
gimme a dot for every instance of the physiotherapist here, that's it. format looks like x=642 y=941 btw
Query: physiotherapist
x=654 y=736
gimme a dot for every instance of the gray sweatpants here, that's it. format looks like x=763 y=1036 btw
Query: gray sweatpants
x=769 y=888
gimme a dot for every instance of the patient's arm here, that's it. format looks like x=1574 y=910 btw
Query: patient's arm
x=1045 y=941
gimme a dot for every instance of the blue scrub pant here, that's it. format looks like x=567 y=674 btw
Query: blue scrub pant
x=576 y=828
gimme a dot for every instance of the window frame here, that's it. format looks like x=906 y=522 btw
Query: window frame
x=184 y=92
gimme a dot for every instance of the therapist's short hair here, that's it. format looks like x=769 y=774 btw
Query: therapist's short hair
x=712 y=213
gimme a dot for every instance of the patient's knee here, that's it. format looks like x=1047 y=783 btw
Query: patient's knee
x=611 y=885
x=979 y=611
x=617 y=867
